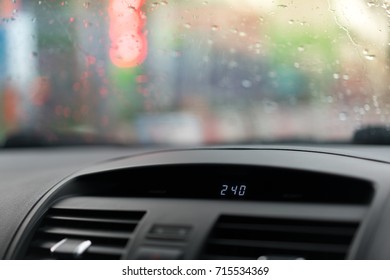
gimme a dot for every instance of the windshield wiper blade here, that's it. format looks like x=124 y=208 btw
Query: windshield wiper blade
x=40 y=139
x=372 y=135
x=24 y=140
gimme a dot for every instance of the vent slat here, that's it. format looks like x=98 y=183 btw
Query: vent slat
x=111 y=214
x=85 y=233
x=280 y=245
x=240 y=237
x=343 y=231
x=108 y=232
x=90 y=224
x=92 y=220
x=223 y=257
x=103 y=250
x=42 y=244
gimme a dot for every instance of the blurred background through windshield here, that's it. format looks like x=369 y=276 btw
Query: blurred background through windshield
x=194 y=72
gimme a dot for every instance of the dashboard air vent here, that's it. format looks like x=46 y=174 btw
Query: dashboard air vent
x=237 y=237
x=83 y=234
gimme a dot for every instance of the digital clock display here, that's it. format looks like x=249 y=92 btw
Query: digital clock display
x=233 y=190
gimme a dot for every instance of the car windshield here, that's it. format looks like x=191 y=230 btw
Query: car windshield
x=193 y=72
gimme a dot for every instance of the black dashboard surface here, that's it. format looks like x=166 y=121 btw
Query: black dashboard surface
x=33 y=179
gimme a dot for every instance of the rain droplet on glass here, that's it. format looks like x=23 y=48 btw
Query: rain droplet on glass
x=246 y=84
x=214 y=27
x=343 y=116
x=370 y=56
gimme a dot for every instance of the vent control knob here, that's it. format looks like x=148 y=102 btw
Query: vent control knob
x=69 y=248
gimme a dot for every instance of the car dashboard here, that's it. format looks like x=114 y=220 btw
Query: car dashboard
x=225 y=202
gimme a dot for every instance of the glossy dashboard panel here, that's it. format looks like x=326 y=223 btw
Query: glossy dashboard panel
x=200 y=209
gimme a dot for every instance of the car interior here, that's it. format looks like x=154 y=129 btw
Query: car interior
x=194 y=130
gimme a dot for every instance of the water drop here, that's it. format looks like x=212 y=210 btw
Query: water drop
x=272 y=74
x=291 y=21
x=270 y=106
x=282 y=6
x=242 y=34
x=343 y=116
x=346 y=77
x=370 y=56
x=336 y=76
x=187 y=25
x=297 y=65
x=232 y=64
x=386 y=6
x=214 y=27
x=164 y=3
x=246 y=84
x=301 y=48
